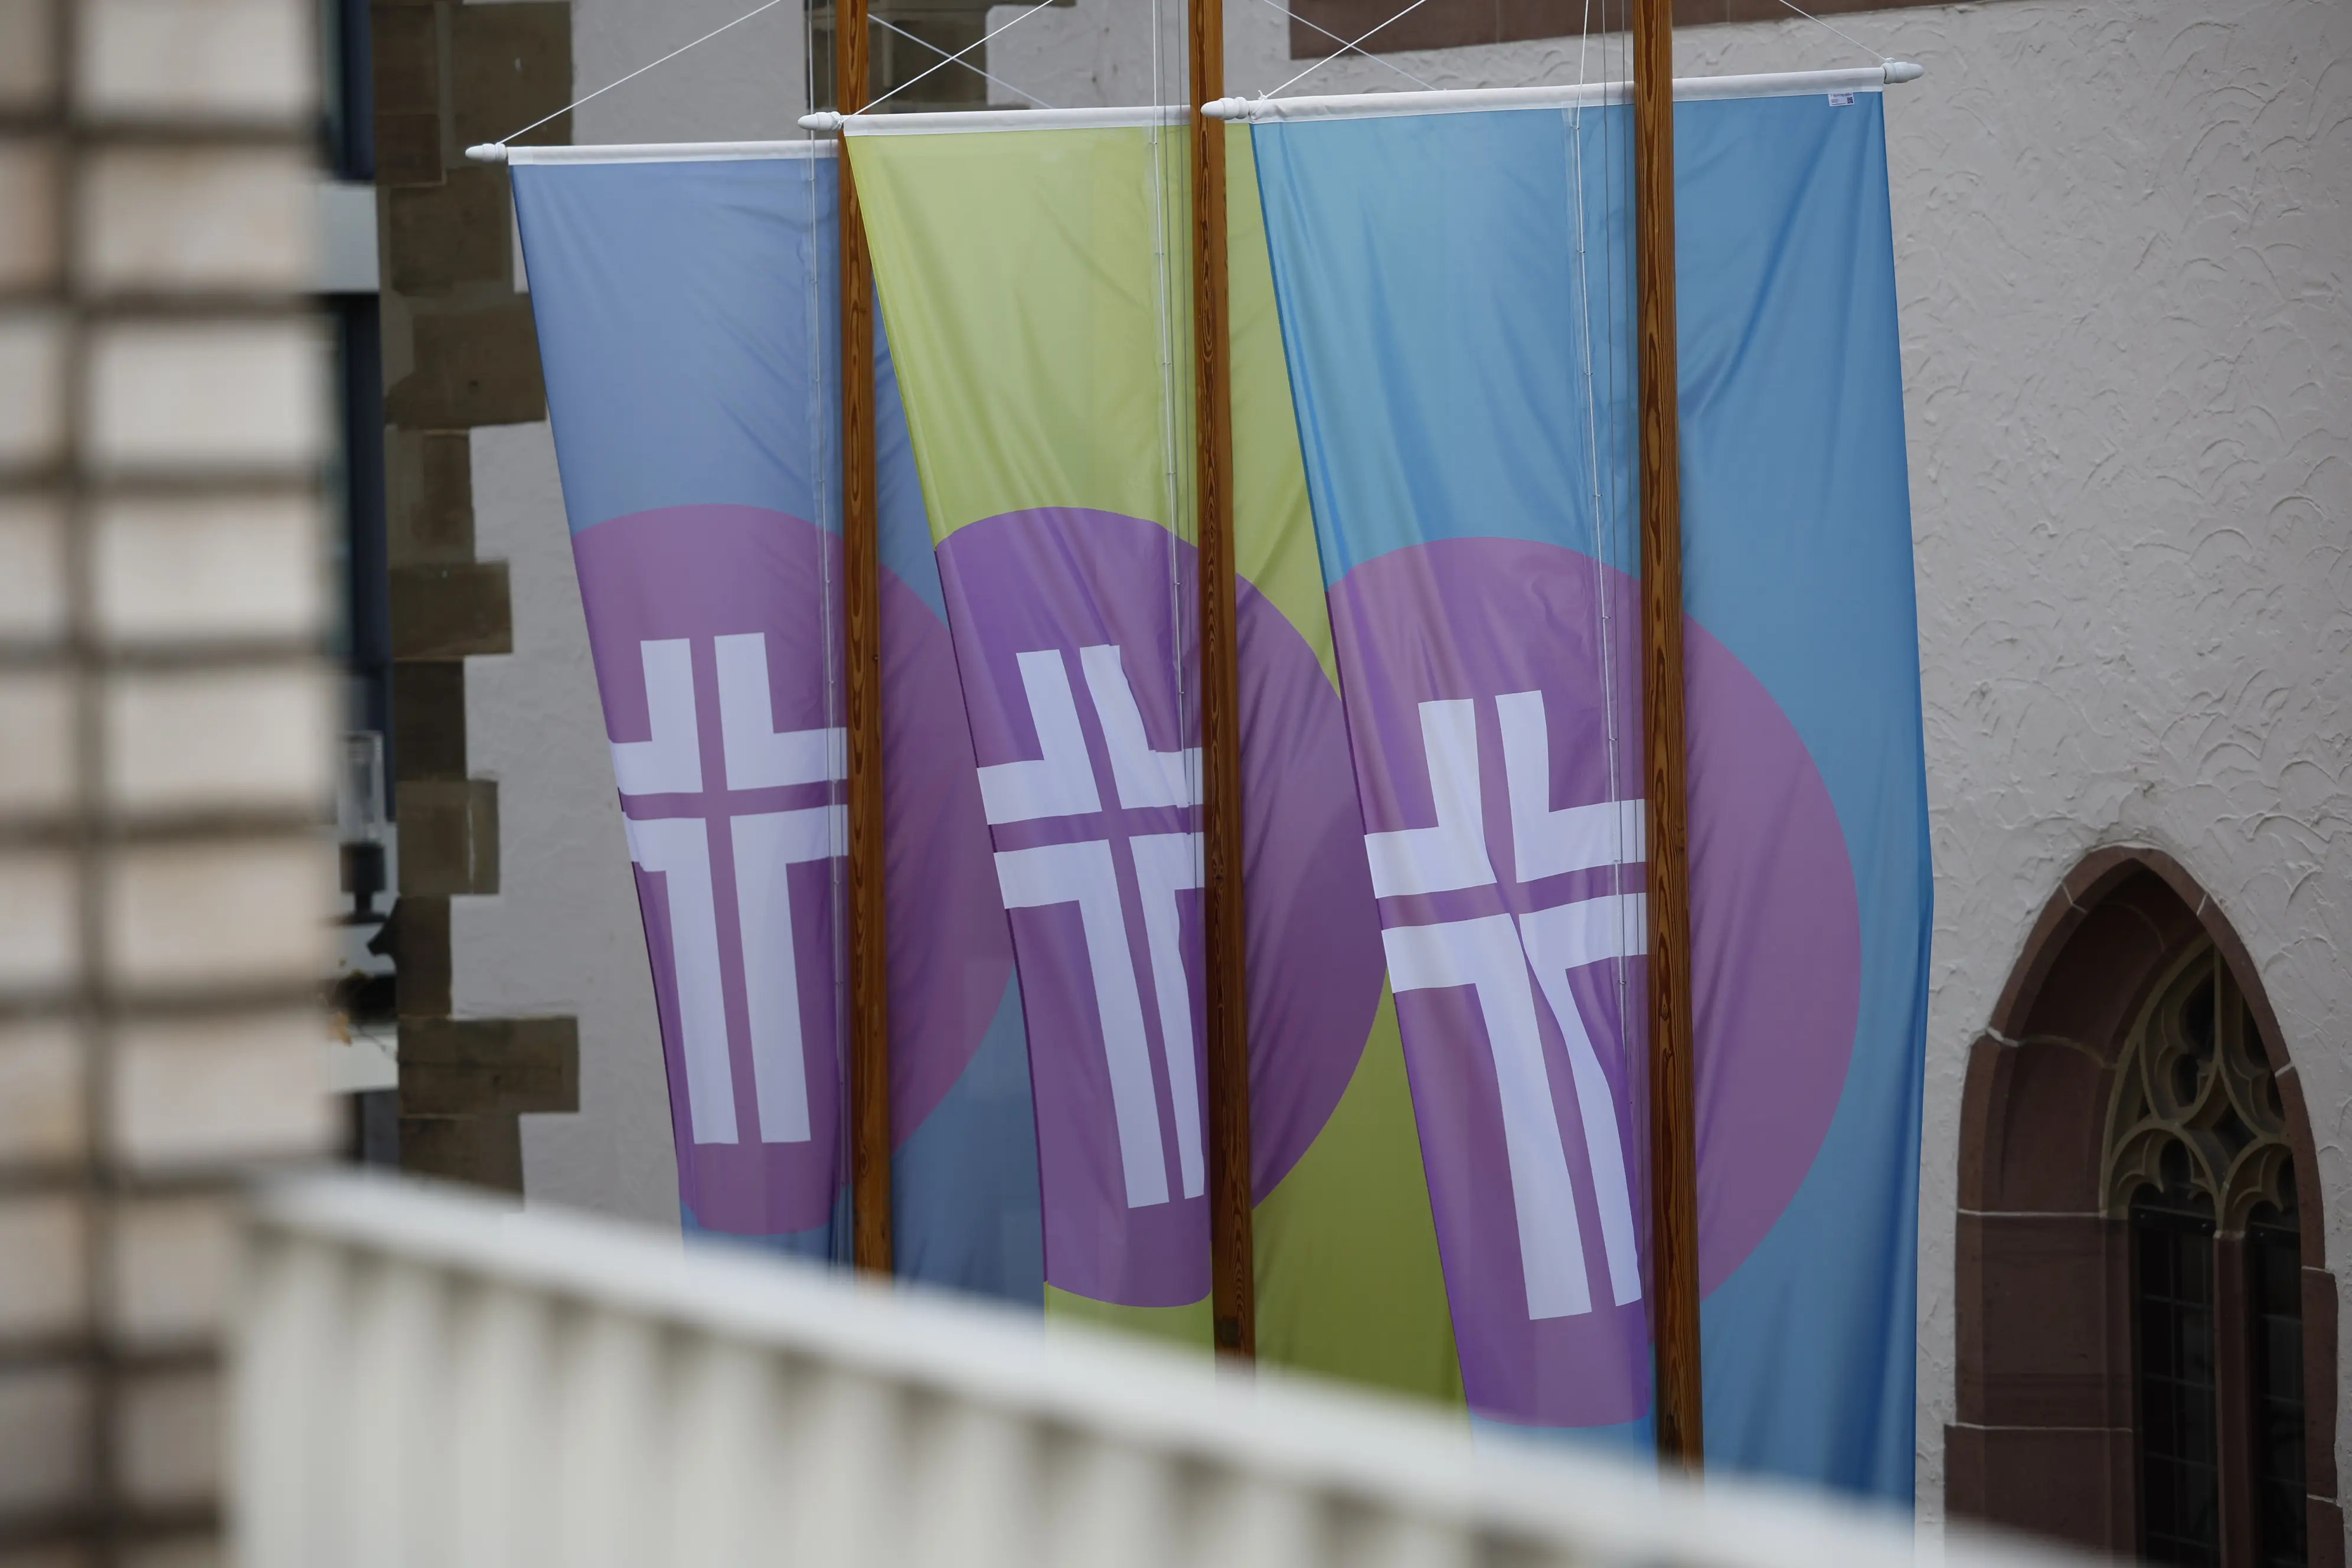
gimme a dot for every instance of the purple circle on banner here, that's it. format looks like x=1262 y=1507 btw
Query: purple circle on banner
x=1484 y=663
x=698 y=583
x=1068 y=624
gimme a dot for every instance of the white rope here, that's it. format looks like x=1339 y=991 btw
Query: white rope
x=842 y=1249
x=1335 y=53
x=1603 y=525
x=1344 y=45
x=957 y=57
x=1849 y=37
x=1167 y=74
x=641 y=70
x=953 y=59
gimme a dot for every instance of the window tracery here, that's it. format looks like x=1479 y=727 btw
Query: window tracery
x=2196 y=1079
x=2198 y=1164
x=2128 y=1213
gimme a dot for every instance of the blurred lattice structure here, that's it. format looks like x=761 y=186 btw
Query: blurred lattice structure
x=165 y=716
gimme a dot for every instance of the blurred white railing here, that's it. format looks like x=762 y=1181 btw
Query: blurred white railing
x=423 y=1378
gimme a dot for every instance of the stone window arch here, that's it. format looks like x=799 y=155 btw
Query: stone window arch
x=2147 y=1329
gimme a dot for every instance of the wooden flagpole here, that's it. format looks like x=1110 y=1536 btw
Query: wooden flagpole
x=1674 y=1164
x=1233 y=1288
x=870 y=1008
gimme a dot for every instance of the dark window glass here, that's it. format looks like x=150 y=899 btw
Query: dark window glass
x=2275 y=1302
x=2198 y=1092
x=2179 y=1464
x=346 y=90
x=355 y=485
x=2197 y=1019
x=930 y=49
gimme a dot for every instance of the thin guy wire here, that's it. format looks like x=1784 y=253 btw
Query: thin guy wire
x=841 y=1249
x=955 y=60
x=641 y=70
x=1603 y=549
x=1026 y=12
x=1335 y=53
x=1283 y=7
x=1611 y=696
x=1615 y=295
x=1849 y=37
x=1177 y=88
x=1155 y=145
x=1605 y=541
x=1191 y=718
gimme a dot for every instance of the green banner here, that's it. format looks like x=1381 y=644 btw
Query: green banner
x=1036 y=288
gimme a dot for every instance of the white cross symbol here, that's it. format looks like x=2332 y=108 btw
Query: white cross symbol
x=756 y=755
x=1060 y=782
x=1494 y=954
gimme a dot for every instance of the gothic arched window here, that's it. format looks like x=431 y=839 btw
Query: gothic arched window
x=2146 y=1330
x=2198 y=1163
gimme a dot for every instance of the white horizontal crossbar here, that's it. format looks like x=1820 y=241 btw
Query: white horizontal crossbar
x=649 y=152
x=1123 y=116
x=1374 y=105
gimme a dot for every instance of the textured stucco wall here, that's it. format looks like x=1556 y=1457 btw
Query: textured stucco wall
x=2124 y=247
x=2123 y=242
x=562 y=934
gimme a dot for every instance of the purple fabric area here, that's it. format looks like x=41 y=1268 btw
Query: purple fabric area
x=950 y=949
x=699 y=574
x=1514 y=629
x=1124 y=1218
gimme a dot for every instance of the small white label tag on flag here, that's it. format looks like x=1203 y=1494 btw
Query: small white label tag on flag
x=1841 y=101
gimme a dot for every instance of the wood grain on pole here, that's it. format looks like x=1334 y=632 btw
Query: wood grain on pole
x=869 y=1002
x=1673 y=1163
x=1233 y=1286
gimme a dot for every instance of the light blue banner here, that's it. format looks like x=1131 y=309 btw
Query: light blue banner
x=1456 y=301
x=688 y=323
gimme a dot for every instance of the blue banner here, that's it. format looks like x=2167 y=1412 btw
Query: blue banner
x=688 y=324
x=1456 y=304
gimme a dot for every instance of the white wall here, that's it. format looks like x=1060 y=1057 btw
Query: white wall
x=2124 y=247
x=2123 y=244
x=563 y=933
